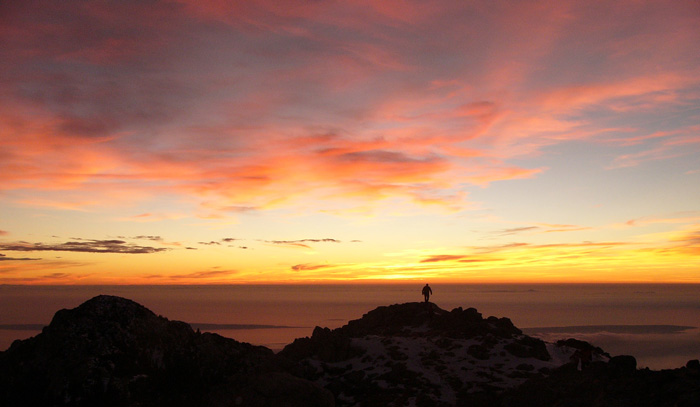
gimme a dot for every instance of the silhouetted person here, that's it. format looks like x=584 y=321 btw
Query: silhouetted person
x=426 y=292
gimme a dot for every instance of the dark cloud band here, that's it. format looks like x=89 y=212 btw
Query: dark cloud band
x=613 y=329
x=88 y=246
x=5 y=258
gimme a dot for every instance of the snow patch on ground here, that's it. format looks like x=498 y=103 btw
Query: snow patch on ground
x=438 y=365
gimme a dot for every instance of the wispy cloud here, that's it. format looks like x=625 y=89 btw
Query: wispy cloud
x=309 y=267
x=411 y=124
x=89 y=246
x=4 y=257
x=685 y=241
x=521 y=253
x=209 y=274
x=540 y=228
x=442 y=257
x=227 y=241
x=678 y=218
x=610 y=329
x=568 y=228
x=153 y=238
x=300 y=243
x=513 y=231
x=290 y=244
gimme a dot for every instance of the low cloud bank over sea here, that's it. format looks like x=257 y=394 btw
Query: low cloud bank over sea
x=656 y=323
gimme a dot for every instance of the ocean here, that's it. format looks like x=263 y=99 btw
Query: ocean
x=656 y=323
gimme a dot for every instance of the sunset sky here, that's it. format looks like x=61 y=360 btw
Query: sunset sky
x=201 y=142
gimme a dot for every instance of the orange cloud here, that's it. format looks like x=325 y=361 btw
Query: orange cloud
x=685 y=242
x=442 y=257
x=355 y=102
x=210 y=274
x=306 y=267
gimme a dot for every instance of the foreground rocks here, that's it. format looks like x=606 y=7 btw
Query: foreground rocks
x=111 y=351
x=616 y=383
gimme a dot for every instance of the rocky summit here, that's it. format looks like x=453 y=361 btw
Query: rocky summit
x=111 y=351
x=417 y=354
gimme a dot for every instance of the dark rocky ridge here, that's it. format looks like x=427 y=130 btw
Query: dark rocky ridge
x=112 y=351
x=616 y=383
x=413 y=320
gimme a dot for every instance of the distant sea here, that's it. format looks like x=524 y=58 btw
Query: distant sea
x=656 y=323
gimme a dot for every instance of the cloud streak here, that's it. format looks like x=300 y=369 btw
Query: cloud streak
x=301 y=243
x=611 y=329
x=209 y=274
x=310 y=267
x=4 y=257
x=89 y=246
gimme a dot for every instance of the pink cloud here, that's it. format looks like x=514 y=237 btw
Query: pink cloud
x=255 y=105
x=617 y=93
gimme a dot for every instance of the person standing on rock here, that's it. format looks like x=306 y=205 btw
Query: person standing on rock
x=426 y=292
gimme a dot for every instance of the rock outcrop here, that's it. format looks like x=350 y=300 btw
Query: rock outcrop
x=419 y=354
x=111 y=351
x=616 y=383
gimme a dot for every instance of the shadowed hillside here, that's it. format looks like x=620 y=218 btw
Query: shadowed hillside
x=113 y=351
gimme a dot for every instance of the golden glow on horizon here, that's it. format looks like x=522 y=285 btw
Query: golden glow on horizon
x=349 y=142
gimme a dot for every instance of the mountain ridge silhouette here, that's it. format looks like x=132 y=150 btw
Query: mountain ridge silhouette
x=115 y=352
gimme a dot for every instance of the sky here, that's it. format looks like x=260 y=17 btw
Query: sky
x=215 y=142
